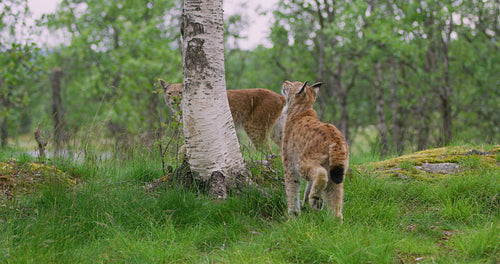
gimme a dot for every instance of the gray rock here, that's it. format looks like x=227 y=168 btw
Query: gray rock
x=444 y=168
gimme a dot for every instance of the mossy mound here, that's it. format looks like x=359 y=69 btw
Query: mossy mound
x=20 y=178
x=452 y=160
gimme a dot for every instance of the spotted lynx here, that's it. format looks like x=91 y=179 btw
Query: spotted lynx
x=256 y=110
x=313 y=150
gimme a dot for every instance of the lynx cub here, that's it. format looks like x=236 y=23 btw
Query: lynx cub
x=256 y=110
x=312 y=149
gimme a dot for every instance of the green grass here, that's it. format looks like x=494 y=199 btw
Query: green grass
x=110 y=217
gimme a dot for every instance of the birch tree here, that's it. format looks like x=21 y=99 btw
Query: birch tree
x=211 y=143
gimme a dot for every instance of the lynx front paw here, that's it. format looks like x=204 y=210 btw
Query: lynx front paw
x=316 y=203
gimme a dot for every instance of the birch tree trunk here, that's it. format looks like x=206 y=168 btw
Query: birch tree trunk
x=211 y=143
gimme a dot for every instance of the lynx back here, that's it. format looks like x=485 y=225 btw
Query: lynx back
x=255 y=110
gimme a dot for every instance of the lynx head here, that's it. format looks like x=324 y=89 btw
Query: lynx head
x=297 y=93
x=173 y=92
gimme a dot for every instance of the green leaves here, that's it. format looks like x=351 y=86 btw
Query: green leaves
x=117 y=50
x=428 y=55
x=19 y=60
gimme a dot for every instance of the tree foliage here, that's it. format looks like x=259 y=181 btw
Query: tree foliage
x=18 y=60
x=116 y=51
x=418 y=73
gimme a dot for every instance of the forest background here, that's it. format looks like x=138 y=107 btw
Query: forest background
x=399 y=75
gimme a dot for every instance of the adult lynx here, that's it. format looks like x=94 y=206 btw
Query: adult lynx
x=256 y=110
x=312 y=149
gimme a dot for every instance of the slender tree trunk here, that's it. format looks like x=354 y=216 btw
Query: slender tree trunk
x=342 y=102
x=445 y=94
x=341 y=96
x=379 y=109
x=446 y=118
x=321 y=55
x=320 y=44
x=341 y=93
x=344 y=117
x=4 y=131
x=324 y=19
x=422 y=123
x=57 y=108
x=211 y=143
x=424 y=109
x=395 y=109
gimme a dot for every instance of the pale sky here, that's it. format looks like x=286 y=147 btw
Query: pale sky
x=256 y=32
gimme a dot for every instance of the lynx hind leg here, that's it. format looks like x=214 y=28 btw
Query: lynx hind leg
x=335 y=188
x=276 y=133
x=315 y=173
x=307 y=191
x=257 y=135
x=317 y=188
x=335 y=198
x=292 y=183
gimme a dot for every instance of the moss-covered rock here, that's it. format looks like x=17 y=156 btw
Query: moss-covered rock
x=421 y=165
x=17 y=177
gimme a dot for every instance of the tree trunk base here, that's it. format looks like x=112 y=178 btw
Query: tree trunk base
x=217 y=185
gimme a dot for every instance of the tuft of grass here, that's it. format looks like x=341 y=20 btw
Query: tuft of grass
x=479 y=243
x=407 y=165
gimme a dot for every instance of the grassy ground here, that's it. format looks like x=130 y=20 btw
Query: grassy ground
x=101 y=212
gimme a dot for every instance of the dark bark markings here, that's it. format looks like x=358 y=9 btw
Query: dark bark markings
x=196 y=58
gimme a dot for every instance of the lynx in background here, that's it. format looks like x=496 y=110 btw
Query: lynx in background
x=256 y=110
x=312 y=149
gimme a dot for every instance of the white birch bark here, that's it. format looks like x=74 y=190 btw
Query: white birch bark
x=209 y=131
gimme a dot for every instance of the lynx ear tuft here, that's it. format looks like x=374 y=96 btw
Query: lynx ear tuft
x=303 y=88
x=163 y=84
x=284 y=87
x=317 y=85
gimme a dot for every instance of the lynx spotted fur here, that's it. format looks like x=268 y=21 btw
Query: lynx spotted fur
x=313 y=150
x=256 y=110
